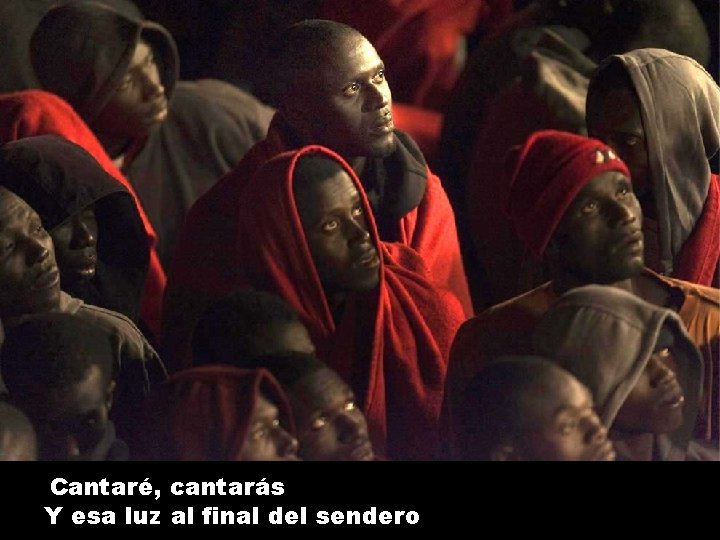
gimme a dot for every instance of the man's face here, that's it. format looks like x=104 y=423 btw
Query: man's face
x=331 y=427
x=345 y=103
x=71 y=421
x=29 y=276
x=657 y=401
x=568 y=428
x=600 y=239
x=75 y=243
x=332 y=216
x=139 y=103
x=615 y=119
x=267 y=440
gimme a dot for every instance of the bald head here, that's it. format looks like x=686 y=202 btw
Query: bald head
x=300 y=49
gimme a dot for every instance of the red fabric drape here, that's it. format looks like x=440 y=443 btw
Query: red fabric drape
x=414 y=322
x=35 y=112
x=698 y=260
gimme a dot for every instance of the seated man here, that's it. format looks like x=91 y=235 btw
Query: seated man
x=35 y=112
x=372 y=310
x=18 y=441
x=528 y=409
x=660 y=112
x=219 y=413
x=332 y=91
x=248 y=324
x=100 y=244
x=172 y=139
x=644 y=373
x=30 y=287
x=59 y=369
x=571 y=202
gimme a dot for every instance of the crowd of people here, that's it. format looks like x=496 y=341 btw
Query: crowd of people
x=457 y=230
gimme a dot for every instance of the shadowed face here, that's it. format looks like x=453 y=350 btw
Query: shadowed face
x=656 y=403
x=331 y=426
x=267 y=440
x=75 y=243
x=600 y=239
x=568 y=428
x=332 y=216
x=615 y=119
x=29 y=276
x=139 y=103
x=71 y=421
x=345 y=102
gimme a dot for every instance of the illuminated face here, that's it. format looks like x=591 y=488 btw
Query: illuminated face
x=332 y=215
x=331 y=426
x=600 y=239
x=345 y=103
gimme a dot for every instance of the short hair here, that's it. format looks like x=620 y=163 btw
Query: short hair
x=53 y=351
x=14 y=424
x=230 y=326
x=299 y=48
x=497 y=402
x=675 y=25
x=288 y=368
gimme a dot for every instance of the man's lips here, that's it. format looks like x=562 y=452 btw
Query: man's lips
x=368 y=259
x=47 y=279
x=384 y=124
x=362 y=451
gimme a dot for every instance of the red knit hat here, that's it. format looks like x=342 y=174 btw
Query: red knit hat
x=548 y=172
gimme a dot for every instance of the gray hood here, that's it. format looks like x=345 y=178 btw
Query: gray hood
x=605 y=337
x=680 y=110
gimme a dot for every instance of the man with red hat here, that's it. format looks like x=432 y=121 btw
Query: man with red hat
x=571 y=202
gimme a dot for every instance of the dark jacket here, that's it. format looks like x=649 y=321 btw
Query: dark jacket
x=210 y=123
x=58 y=179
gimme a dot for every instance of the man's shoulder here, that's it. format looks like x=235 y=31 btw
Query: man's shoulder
x=518 y=312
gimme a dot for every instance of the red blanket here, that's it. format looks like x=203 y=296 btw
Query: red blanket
x=700 y=255
x=35 y=112
x=206 y=266
x=409 y=322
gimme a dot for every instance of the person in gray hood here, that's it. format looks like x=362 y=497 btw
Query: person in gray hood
x=172 y=139
x=660 y=111
x=638 y=361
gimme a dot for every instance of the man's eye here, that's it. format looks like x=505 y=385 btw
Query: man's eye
x=350 y=406
x=351 y=89
x=631 y=140
x=357 y=211
x=589 y=207
x=664 y=352
x=319 y=422
x=566 y=428
x=330 y=226
x=621 y=192
x=379 y=77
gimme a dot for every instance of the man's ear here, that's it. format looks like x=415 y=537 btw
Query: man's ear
x=505 y=452
x=110 y=394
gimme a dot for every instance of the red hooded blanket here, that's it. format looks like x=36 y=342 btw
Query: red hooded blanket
x=397 y=366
